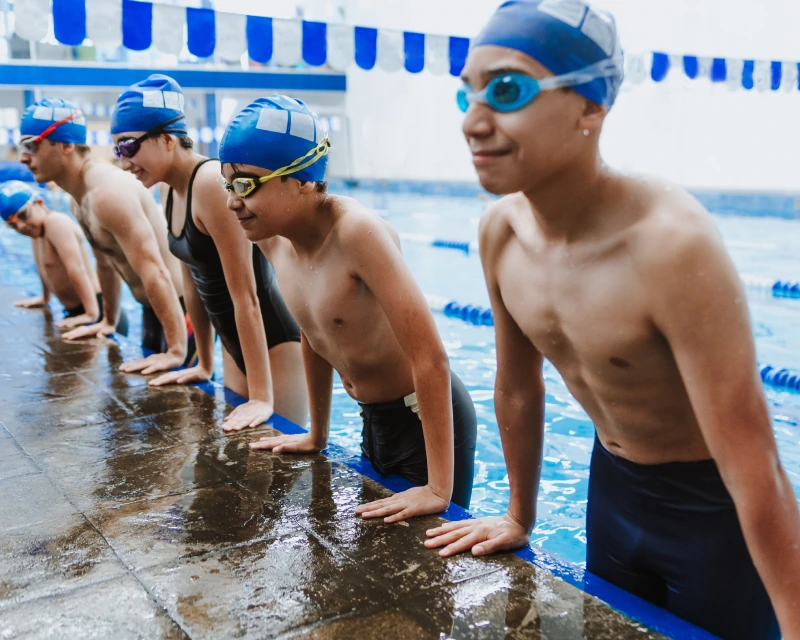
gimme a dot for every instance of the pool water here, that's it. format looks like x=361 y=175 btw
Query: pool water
x=760 y=246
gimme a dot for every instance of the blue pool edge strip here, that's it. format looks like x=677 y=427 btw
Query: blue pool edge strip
x=641 y=611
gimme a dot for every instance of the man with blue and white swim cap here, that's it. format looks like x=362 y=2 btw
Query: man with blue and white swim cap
x=360 y=311
x=122 y=223
x=623 y=283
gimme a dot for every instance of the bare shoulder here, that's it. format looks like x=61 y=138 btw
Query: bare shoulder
x=355 y=224
x=59 y=223
x=208 y=181
x=110 y=189
x=675 y=231
x=496 y=225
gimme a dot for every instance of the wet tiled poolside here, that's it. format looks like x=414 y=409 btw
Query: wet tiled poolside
x=126 y=513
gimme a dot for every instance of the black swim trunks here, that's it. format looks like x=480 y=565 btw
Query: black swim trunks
x=393 y=442
x=122 y=322
x=199 y=252
x=669 y=533
x=154 y=340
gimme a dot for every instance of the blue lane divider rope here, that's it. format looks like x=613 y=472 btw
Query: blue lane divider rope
x=482 y=317
x=769 y=286
x=471 y=313
x=780 y=378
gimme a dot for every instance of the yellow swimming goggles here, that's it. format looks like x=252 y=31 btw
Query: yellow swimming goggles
x=244 y=187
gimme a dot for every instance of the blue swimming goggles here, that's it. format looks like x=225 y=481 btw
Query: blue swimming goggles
x=513 y=91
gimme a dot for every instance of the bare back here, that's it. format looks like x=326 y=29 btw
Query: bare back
x=586 y=307
x=105 y=179
x=51 y=268
x=338 y=313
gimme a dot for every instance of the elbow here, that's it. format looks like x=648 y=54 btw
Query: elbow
x=432 y=361
x=246 y=303
x=756 y=482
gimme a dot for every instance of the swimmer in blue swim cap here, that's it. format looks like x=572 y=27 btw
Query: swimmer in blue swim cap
x=359 y=309
x=230 y=287
x=122 y=223
x=59 y=251
x=624 y=285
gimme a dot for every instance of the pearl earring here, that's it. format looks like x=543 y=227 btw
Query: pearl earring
x=586 y=132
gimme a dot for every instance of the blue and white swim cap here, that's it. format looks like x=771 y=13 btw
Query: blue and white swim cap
x=14 y=195
x=49 y=111
x=275 y=133
x=145 y=105
x=565 y=36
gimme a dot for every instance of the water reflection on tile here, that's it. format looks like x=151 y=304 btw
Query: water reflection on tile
x=31 y=421
x=91 y=444
x=118 y=609
x=187 y=525
x=53 y=557
x=263 y=589
x=30 y=499
x=134 y=477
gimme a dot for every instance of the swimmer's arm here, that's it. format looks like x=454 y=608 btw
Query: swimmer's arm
x=201 y=323
x=380 y=265
x=319 y=380
x=125 y=220
x=699 y=305
x=518 y=398
x=519 y=404
x=110 y=287
x=236 y=255
x=61 y=235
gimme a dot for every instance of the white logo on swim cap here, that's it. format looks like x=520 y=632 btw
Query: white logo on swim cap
x=302 y=125
x=599 y=27
x=569 y=11
x=163 y=100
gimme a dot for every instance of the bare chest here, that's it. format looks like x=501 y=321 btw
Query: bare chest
x=98 y=238
x=331 y=306
x=586 y=313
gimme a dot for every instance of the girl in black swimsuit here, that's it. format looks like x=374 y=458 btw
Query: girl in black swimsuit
x=229 y=286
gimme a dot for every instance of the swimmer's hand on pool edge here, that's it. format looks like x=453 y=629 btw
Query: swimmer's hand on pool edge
x=483 y=536
x=76 y=321
x=154 y=363
x=37 y=302
x=250 y=414
x=417 y=501
x=182 y=376
x=296 y=443
x=97 y=330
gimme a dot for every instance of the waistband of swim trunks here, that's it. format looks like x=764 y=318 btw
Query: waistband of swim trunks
x=409 y=401
x=663 y=469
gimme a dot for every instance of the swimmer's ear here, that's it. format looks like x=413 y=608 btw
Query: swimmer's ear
x=169 y=140
x=592 y=117
x=306 y=187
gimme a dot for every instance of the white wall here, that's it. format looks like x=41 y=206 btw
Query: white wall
x=407 y=126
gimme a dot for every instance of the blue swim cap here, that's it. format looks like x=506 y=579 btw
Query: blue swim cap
x=14 y=195
x=145 y=105
x=565 y=36
x=273 y=133
x=38 y=117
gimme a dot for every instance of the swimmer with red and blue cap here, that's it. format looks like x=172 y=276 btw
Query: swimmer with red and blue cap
x=124 y=226
x=360 y=311
x=59 y=250
x=624 y=285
